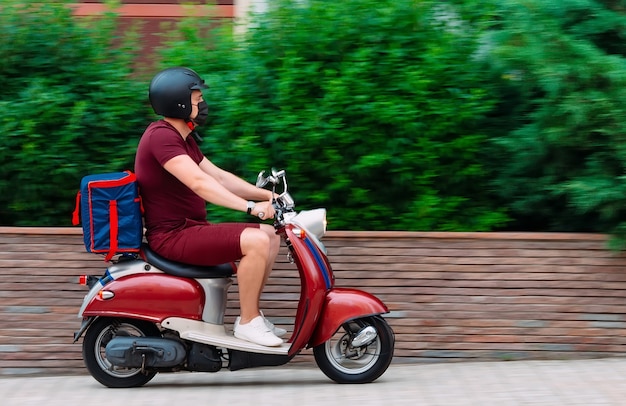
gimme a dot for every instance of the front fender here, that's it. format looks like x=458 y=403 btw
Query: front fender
x=343 y=305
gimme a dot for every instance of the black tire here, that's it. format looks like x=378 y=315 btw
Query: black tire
x=346 y=364
x=94 y=344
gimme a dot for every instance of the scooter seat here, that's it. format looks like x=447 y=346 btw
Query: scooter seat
x=186 y=270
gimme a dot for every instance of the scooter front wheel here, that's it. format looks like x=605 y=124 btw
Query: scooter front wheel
x=96 y=339
x=359 y=352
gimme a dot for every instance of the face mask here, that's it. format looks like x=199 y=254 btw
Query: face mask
x=203 y=113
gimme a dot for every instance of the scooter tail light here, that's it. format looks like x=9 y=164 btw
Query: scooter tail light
x=88 y=280
x=300 y=233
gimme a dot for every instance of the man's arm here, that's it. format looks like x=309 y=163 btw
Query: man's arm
x=204 y=184
x=235 y=184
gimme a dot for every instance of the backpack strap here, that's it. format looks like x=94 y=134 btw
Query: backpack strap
x=75 y=214
x=114 y=229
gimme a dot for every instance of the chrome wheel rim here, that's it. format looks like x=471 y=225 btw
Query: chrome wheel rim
x=103 y=339
x=348 y=359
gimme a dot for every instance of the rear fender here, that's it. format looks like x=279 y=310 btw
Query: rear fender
x=116 y=271
x=147 y=296
x=87 y=321
x=343 y=305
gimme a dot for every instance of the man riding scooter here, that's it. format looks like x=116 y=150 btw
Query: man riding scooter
x=176 y=181
x=160 y=307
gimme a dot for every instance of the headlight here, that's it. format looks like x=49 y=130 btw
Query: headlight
x=313 y=221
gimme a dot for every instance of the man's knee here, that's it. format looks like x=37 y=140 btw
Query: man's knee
x=253 y=240
x=271 y=233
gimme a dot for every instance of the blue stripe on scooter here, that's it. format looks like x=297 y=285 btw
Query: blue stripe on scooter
x=319 y=261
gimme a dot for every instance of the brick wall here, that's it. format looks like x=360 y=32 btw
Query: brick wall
x=453 y=296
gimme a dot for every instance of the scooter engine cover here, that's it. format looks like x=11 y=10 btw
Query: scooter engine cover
x=204 y=358
x=147 y=352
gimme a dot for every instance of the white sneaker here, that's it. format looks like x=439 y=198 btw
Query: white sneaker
x=278 y=332
x=256 y=332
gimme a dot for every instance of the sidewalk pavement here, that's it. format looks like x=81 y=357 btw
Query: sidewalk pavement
x=573 y=382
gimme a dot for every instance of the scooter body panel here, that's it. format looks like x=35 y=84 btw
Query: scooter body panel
x=151 y=297
x=343 y=305
x=316 y=278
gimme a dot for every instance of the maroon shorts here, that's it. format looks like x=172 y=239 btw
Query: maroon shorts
x=201 y=243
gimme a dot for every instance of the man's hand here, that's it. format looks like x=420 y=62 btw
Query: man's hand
x=264 y=210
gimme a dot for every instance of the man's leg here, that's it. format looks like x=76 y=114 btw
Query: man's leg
x=255 y=247
x=251 y=326
x=274 y=247
x=273 y=253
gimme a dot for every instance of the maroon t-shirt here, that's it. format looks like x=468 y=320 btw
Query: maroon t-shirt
x=166 y=200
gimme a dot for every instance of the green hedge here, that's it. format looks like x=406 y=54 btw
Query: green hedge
x=565 y=156
x=68 y=107
x=394 y=114
x=374 y=107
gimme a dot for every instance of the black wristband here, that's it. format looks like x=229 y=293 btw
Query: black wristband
x=251 y=205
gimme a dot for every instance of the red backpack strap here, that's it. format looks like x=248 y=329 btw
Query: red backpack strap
x=75 y=215
x=140 y=200
x=114 y=229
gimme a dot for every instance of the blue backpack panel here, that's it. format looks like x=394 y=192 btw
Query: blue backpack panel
x=111 y=212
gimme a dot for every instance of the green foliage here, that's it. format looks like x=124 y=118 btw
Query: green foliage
x=566 y=153
x=394 y=114
x=373 y=107
x=67 y=108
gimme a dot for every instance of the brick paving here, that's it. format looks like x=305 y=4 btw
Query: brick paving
x=572 y=382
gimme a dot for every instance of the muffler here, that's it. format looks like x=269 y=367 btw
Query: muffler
x=145 y=352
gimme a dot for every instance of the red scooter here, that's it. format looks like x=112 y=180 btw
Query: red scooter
x=147 y=314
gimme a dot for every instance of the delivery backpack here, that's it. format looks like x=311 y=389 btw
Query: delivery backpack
x=110 y=209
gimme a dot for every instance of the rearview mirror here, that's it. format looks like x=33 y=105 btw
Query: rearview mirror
x=261 y=179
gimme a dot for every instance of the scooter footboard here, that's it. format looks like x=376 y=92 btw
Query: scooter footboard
x=342 y=305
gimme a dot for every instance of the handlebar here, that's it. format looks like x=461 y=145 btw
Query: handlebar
x=283 y=203
x=314 y=221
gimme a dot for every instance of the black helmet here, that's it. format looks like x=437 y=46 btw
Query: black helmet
x=170 y=91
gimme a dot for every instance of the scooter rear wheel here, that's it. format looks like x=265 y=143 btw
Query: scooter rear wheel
x=344 y=362
x=96 y=338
